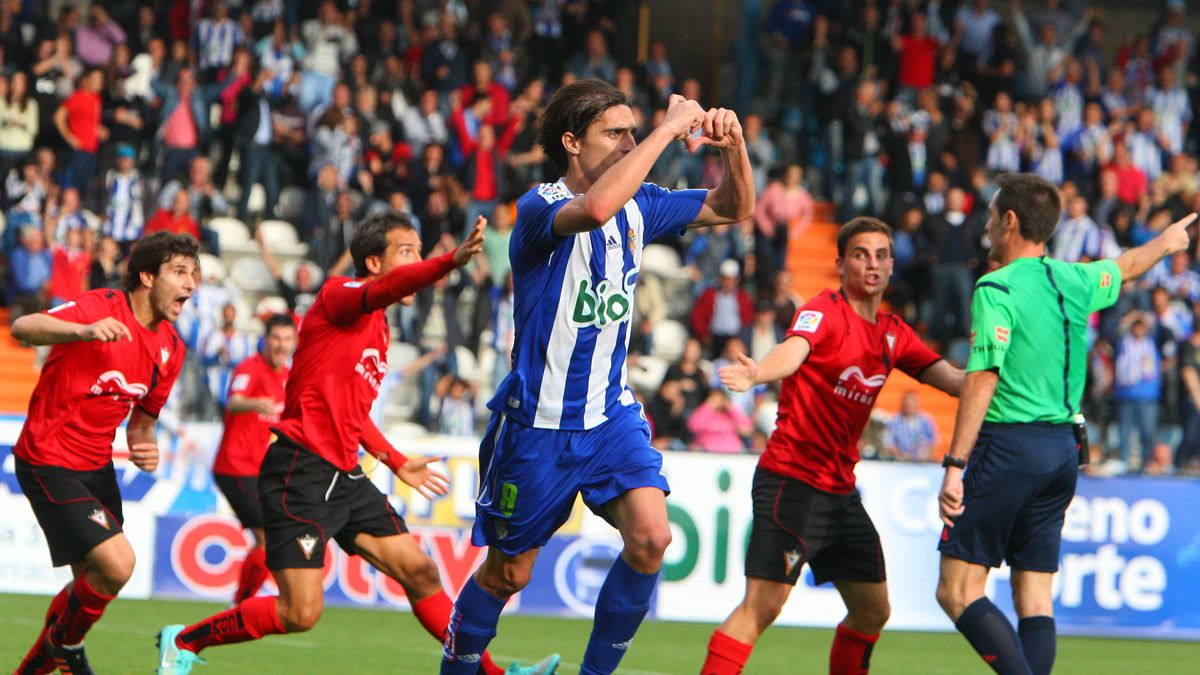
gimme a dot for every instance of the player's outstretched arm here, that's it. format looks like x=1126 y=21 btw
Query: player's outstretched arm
x=733 y=198
x=621 y=181
x=783 y=360
x=1137 y=261
x=43 y=329
x=944 y=376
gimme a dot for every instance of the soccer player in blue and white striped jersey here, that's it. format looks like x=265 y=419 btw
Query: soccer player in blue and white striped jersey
x=565 y=421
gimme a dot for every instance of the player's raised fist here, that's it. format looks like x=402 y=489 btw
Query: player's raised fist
x=107 y=329
x=739 y=376
x=721 y=130
x=472 y=245
x=418 y=475
x=682 y=118
x=1176 y=235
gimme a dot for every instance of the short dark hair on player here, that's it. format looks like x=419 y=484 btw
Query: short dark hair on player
x=1034 y=199
x=370 y=237
x=573 y=108
x=278 y=321
x=860 y=225
x=150 y=252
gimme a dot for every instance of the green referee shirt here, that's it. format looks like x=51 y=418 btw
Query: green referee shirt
x=1029 y=322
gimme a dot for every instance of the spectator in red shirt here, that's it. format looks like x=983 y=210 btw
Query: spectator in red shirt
x=721 y=312
x=69 y=267
x=918 y=55
x=177 y=219
x=78 y=120
x=1131 y=181
x=485 y=84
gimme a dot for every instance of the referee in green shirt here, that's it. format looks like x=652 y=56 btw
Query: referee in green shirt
x=1013 y=459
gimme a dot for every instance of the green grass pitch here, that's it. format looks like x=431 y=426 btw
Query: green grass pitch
x=349 y=641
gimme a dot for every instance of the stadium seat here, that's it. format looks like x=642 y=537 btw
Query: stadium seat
x=667 y=339
x=251 y=274
x=258 y=199
x=662 y=261
x=291 y=203
x=233 y=237
x=400 y=354
x=468 y=366
x=211 y=268
x=648 y=374
x=281 y=237
x=271 y=304
x=402 y=430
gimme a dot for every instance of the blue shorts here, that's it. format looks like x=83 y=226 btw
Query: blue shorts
x=529 y=477
x=1018 y=483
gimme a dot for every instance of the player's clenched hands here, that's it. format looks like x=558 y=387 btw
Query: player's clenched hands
x=950 y=499
x=721 y=130
x=682 y=118
x=1175 y=236
x=739 y=376
x=107 y=329
x=417 y=475
x=472 y=245
x=144 y=456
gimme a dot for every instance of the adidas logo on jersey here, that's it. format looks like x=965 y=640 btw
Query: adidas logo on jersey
x=613 y=244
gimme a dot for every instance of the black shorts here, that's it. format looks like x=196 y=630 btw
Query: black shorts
x=1017 y=486
x=795 y=523
x=242 y=494
x=78 y=510
x=306 y=501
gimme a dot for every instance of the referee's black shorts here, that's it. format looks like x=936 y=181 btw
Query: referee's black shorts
x=242 y=494
x=77 y=510
x=1017 y=486
x=795 y=523
x=306 y=501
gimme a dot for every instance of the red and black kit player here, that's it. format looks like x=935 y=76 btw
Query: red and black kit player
x=833 y=362
x=256 y=397
x=311 y=487
x=114 y=355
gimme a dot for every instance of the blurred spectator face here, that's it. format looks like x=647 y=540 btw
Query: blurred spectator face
x=304 y=277
x=911 y=404
x=1047 y=112
x=1109 y=184
x=93 y=81
x=186 y=82
x=33 y=239
x=482 y=107
x=341 y=96
x=690 y=89
x=1120 y=155
x=847 y=61
x=1074 y=72
x=74 y=238
x=752 y=126
x=344 y=206
x=1140 y=328
x=658 y=51
x=865 y=94
x=157 y=50
x=3 y=86
x=937 y=181
x=146 y=18
x=595 y=45
x=1160 y=300
x=1166 y=78
x=1145 y=120
x=625 y=79
x=487 y=137
x=46 y=161
x=482 y=73
x=1116 y=80
x=70 y=200
x=429 y=102
x=179 y=51
x=327 y=178
x=181 y=204
x=1093 y=114
x=1049 y=34
x=1077 y=207
x=691 y=351
x=501 y=219
x=497 y=24
x=793 y=176
x=359 y=66
x=107 y=248
x=733 y=347
x=219 y=11
x=919 y=24
x=367 y=99
x=955 y=199
x=911 y=221
x=398 y=201
x=327 y=13
x=199 y=172
x=228 y=315
x=1179 y=263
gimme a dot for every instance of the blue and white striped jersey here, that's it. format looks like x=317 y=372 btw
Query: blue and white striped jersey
x=574 y=302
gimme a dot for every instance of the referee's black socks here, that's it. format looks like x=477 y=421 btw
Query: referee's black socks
x=1039 y=640
x=990 y=633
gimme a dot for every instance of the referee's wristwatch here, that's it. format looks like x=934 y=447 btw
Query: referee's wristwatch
x=948 y=461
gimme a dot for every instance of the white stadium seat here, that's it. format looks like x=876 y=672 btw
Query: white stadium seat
x=211 y=268
x=281 y=238
x=667 y=339
x=251 y=274
x=662 y=261
x=291 y=203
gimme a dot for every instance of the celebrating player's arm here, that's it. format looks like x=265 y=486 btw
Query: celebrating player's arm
x=45 y=329
x=732 y=200
x=414 y=471
x=141 y=434
x=240 y=403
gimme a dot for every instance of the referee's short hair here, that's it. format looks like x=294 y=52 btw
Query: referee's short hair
x=370 y=237
x=573 y=108
x=861 y=225
x=1035 y=201
x=151 y=251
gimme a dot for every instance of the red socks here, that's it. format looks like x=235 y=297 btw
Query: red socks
x=250 y=620
x=851 y=652
x=434 y=614
x=252 y=575
x=83 y=607
x=726 y=656
x=38 y=661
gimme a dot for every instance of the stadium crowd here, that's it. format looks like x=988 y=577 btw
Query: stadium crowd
x=220 y=118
